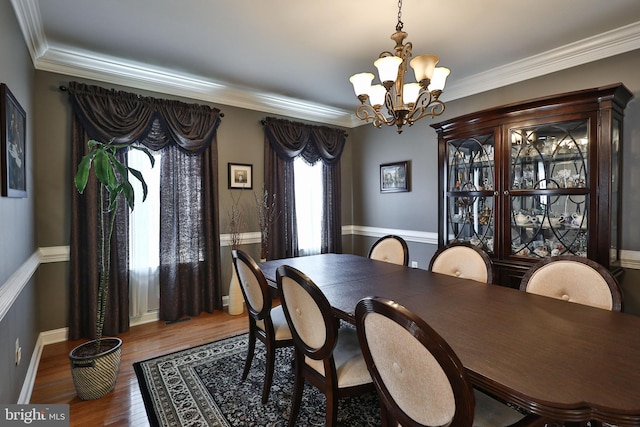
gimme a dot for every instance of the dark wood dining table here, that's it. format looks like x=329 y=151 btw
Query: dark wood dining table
x=561 y=360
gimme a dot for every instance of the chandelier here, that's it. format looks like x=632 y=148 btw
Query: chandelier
x=404 y=103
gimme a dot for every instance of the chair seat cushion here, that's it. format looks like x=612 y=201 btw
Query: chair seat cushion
x=351 y=368
x=280 y=325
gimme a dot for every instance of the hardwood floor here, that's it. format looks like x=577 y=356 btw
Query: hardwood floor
x=124 y=406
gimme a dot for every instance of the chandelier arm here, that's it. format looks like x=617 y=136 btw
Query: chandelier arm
x=437 y=108
x=388 y=102
x=368 y=113
x=427 y=105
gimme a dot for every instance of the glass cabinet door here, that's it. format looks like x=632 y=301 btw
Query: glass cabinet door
x=548 y=189
x=469 y=191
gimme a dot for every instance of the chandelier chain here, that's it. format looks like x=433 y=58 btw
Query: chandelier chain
x=400 y=24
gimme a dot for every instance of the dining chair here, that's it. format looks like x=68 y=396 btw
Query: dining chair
x=391 y=249
x=418 y=377
x=463 y=260
x=575 y=279
x=327 y=356
x=266 y=323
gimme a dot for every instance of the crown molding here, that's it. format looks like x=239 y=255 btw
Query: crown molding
x=28 y=16
x=87 y=65
x=68 y=61
x=611 y=43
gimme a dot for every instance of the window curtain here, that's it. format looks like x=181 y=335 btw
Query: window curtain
x=284 y=141
x=189 y=129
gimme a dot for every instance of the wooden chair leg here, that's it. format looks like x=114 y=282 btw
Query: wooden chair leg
x=268 y=378
x=331 y=416
x=385 y=417
x=298 y=387
x=250 y=350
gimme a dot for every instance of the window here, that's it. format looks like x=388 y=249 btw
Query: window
x=309 y=205
x=144 y=237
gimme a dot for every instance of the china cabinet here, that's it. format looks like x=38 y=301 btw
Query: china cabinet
x=535 y=179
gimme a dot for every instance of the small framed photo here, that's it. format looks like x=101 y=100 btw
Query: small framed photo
x=394 y=177
x=13 y=123
x=240 y=176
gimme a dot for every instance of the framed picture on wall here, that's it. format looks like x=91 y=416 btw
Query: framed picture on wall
x=13 y=123
x=240 y=176
x=394 y=177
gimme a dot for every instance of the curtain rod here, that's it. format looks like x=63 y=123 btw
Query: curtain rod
x=65 y=89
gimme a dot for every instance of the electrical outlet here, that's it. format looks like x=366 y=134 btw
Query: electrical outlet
x=414 y=264
x=18 y=351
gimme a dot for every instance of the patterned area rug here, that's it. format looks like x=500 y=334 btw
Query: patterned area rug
x=201 y=387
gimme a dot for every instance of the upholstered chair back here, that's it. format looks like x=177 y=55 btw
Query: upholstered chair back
x=574 y=279
x=309 y=314
x=463 y=260
x=392 y=249
x=435 y=404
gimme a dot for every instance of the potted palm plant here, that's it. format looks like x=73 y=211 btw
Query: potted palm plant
x=95 y=364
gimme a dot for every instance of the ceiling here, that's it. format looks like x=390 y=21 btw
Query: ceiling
x=294 y=57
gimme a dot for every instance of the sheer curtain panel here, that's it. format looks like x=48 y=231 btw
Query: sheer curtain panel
x=104 y=114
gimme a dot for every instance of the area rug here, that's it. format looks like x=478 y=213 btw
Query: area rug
x=202 y=386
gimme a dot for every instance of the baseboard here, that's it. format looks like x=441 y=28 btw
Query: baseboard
x=145 y=318
x=44 y=338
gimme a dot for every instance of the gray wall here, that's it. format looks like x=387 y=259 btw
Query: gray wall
x=42 y=305
x=417 y=210
x=17 y=226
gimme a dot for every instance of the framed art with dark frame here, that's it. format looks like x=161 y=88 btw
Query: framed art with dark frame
x=13 y=122
x=394 y=177
x=240 y=176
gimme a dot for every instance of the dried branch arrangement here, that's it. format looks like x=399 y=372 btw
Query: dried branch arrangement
x=267 y=212
x=236 y=221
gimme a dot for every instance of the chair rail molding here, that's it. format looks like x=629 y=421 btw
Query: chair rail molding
x=630 y=259
x=10 y=290
x=415 y=236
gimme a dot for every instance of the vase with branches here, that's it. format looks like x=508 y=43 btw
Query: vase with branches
x=267 y=212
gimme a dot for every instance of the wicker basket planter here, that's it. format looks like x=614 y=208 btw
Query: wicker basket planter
x=94 y=375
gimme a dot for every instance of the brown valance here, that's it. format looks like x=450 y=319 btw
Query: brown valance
x=128 y=117
x=292 y=139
